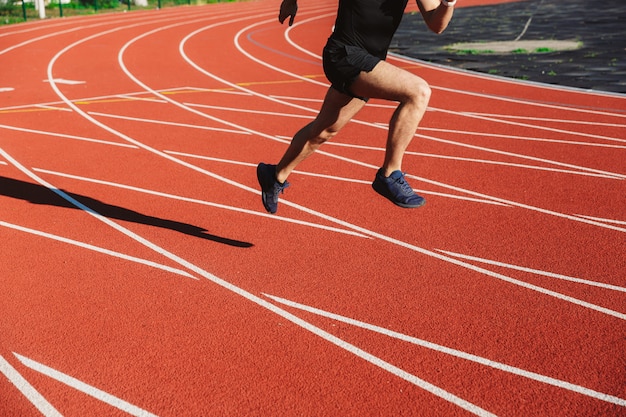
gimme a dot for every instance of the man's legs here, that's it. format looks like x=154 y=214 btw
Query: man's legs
x=385 y=81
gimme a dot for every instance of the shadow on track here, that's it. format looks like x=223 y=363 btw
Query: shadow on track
x=38 y=194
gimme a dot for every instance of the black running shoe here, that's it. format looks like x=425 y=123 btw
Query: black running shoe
x=397 y=190
x=270 y=187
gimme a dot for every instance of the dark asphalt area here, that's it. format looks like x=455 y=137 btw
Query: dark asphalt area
x=599 y=64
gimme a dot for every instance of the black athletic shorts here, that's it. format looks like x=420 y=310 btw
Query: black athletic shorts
x=343 y=64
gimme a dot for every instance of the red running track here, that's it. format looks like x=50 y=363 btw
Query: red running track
x=140 y=274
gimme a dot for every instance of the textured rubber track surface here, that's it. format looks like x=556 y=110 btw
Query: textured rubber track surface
x=140 y=274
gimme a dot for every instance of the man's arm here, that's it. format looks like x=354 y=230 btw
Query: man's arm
x=436 y=13
x=288 y=8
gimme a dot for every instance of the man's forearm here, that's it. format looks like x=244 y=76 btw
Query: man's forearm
x=437 y=14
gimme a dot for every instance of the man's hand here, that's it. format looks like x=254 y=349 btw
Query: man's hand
x=288 y=8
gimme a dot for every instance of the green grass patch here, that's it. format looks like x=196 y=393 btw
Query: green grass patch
x=473 y=51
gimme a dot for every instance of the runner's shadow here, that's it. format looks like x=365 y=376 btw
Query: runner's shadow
x=38 y=194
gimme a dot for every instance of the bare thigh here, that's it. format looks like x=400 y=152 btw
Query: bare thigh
x=388 y=82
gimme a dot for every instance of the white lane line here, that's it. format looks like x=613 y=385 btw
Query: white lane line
x=96 y=249
x=242 y=110
x=162 y=122
x=551 y=106
x=64 y=81
x=48 y=107
x=447 y=396
x=49 y=35
x=521 y=205
x=454 y=352
x=282 y=98
x=130 y=97
x=226 y=90
x=535 y=271
x=84 y=387
x=534 y=126
x=523 y=138
x=600 y=219
x=64 y=136
x=524 y=166
x=27 y=390
x=205 y=203
x=545 y=119
x=333 y=177
x=40 y=26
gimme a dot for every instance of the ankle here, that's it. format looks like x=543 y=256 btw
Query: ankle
x=387 y=171
x=280 y=176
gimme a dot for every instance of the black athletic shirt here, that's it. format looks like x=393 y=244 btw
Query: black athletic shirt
x=369 y=24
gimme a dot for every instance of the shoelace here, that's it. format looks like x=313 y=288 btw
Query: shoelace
x=406 y=188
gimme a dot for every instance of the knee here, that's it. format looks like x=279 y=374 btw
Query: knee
x=421 y=94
